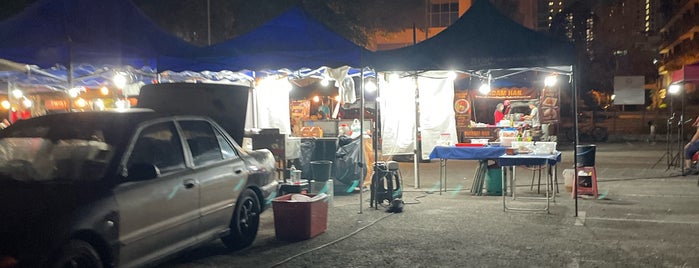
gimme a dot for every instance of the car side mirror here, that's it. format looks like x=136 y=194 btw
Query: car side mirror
x=142 y=171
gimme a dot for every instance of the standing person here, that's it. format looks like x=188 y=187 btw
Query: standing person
x=498 y=114
x=690 y=149
x=533 y=115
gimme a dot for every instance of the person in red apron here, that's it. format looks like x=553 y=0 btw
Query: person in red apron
x=690 y=149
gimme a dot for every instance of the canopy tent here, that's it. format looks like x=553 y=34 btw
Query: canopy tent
x=481 y=39
x=483 y=43
x=293 y=40
x=293 y=45
x=112 y=33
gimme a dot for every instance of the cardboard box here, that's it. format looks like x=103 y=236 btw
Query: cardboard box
x=295 y=221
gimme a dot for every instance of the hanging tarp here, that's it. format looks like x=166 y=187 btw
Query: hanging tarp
x=436 y=92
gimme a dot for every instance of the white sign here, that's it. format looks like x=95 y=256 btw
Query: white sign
x=629 y=90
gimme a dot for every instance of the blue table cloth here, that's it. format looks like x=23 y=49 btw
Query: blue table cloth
x=467 y=153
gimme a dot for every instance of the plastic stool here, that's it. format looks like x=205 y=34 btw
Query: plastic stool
x=591 y=187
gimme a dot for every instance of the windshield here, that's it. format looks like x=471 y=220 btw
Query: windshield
x=66 y=147
x=40 y=159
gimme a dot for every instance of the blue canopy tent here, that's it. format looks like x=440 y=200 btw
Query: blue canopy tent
x=293 y=40
x=68 y=33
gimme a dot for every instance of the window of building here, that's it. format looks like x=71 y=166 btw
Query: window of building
x=443 y=13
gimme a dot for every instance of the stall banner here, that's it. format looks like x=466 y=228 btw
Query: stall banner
x=462 y=109
x=511 y=93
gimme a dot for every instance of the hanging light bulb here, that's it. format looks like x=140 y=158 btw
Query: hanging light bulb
x=119 y=80
x=484 y=88
x=370 y=86
x=17 y=94
x=550 y=80
x=6 y=105
x=27 y=103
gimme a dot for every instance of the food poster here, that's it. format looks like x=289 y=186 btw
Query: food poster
x=462 y=110
x=299 y=110
x=548 y=105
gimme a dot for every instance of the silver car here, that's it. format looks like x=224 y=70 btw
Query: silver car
x=107 y=189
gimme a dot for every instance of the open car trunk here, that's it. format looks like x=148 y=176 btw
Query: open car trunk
x=225 y=104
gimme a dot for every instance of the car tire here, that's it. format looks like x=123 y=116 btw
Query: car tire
x=245 y=221
x=78 y=254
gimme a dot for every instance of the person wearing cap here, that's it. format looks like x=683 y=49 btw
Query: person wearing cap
x=533 y=115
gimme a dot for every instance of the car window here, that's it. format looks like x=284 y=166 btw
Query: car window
x=202 y=141
x=226 y=147
x=159 y=145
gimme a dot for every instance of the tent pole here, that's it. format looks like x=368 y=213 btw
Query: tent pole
x=576 y=141
x=417 y=152
x=361 y=144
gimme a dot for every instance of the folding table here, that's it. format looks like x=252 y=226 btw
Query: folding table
x=550 y=160
x=443 y=153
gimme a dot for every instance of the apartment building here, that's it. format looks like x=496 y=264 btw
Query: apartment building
x=679 y=47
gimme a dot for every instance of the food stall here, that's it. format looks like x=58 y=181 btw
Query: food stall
x=477 y=120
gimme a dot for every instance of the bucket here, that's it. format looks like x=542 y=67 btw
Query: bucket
x=586 y=155
x=493 y=181
x=321 y=170
x=568 y=176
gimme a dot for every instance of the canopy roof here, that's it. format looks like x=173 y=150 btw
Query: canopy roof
x=481 y=39
x=293 y=40
x=106 y=32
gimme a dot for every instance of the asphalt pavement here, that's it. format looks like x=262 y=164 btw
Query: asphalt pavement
x=647 y=215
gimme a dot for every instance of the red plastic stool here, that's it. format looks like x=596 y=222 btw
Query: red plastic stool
x=585 y=187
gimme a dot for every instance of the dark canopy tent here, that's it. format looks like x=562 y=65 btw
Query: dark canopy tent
x=293 y=40
x=98 y=33
x=482 y=38
x=484 y=42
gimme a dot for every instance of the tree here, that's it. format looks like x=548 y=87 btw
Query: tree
x=356 y=20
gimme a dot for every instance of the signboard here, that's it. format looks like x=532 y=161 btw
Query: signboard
x=629 y=90
x=512 y=93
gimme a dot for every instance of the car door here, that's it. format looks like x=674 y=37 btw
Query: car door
x=220 y=171
x=158 y=216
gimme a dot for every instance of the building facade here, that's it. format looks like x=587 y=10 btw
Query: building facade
x=679 y=46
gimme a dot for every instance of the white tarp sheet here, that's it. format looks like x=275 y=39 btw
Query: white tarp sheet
x=436 y=92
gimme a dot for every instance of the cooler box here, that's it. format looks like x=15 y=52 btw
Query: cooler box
x=295 y=221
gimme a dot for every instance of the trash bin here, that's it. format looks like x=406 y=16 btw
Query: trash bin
x=586 y=155
x=493 y=180
x=299 y=220
x=321 y=170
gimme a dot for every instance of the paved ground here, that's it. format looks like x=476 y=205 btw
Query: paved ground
x=646 y=216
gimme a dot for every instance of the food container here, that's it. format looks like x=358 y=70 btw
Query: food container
x=479 y=141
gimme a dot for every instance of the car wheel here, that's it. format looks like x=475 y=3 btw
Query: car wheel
x=245 y=221
x=77 y=254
